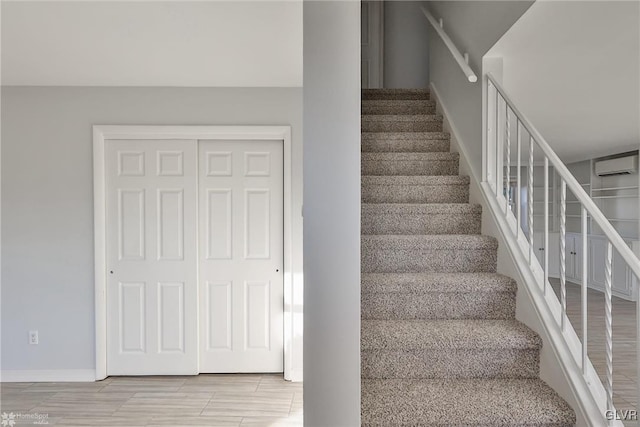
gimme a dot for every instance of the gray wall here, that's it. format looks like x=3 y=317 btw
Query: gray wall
x=474 y=26
x=47 y=199
x=406 y=45
x=332 y=213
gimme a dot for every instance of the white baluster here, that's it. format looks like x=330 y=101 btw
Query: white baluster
x=608 y=327
x=584 y=291
x=485 y=149
x=546 y=225
x=497 y=132
x=563 y=233
x=508 y=168
x=530 y=187
x=518 y=183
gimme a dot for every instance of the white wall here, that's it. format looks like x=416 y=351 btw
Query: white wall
x=332 y=213
x=474 y=26
x=550 y=370
x=152 y=43
x=572 y=67
x=406 y=45
x=47 y=201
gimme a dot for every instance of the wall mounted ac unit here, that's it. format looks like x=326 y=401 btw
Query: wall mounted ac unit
x=620 y=166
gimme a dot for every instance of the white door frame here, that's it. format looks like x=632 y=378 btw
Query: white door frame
x=114 y=132
x=375 y=43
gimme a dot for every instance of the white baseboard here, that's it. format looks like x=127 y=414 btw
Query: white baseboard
x=48 y=375
x=295 y=376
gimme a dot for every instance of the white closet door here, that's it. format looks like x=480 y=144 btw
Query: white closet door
x=241 y=256
x=151 y=257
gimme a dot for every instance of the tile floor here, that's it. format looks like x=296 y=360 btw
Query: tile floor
x=203 y=400
x=625 y=376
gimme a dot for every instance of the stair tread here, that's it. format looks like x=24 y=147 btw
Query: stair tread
x=393 y=106
x=421 y=208
x=436 y=282
x=404 y=136
x=421 y=180
x=443 y=334
x=395 y=94
x=400 y=117
x=462 y=402
x=410 y=156
x=397 y=102
x=429 y=242
x=395 y=90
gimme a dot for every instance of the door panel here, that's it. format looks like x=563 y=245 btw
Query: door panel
x=131 y=313
x=151 y=257
x=621 y=275
x=218 y=203
x=620 y=279
x=241 y=256
x=597 y=257
x=577 y=263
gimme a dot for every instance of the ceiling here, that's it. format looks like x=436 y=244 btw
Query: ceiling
x=152 y=43
x=573 y=67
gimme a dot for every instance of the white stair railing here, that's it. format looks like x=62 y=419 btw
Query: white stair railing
x=462 y=60
x=502 y=116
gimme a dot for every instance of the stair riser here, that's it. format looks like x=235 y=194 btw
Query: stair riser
x=410 y=167
x=382 y=223
x=414 y=261
x=409 y=96
x=401 y=126
x=380 y=108
x=372 y=193
x=463 y=402
x=405 y=146
x=438 y=305
x=451 y=363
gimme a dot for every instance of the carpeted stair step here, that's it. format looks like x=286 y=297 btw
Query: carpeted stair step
x=440 y=345
x=401 y=123
x=410 y=163
x=406 y=94
x=463 y=403
x=437 y=296
x=392 y=106
x=428 y=253
x=448 y=349
x=415 y=189
x=405 y=142
x=413 y=218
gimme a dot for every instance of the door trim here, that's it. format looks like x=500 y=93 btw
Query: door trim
x=102 y=133
x=376 y=29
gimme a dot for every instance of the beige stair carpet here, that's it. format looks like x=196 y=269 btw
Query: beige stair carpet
x=440 y=344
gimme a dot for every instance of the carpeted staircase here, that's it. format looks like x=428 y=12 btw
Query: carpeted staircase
x=440 y=343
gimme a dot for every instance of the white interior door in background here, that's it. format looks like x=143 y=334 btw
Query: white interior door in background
x=372 y=43
x=151 y=285
x=241 y=256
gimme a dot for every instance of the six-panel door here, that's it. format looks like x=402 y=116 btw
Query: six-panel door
x=241 y=256
x=151 y=257
x=194 y=243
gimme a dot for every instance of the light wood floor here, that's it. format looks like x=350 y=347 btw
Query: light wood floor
x=625 y=376
x=268 y=400
x=203 y=400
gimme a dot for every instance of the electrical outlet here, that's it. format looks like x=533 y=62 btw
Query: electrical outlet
x=33 y=337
